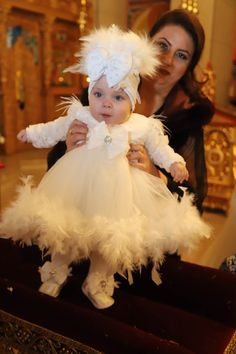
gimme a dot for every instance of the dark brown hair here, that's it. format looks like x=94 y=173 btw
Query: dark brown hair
x=193 y=27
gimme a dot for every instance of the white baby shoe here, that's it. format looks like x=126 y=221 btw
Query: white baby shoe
x=50 y=288
x=96 y=289
x=111 y=284
x=53 y=278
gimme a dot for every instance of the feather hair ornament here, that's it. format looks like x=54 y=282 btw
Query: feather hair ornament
x=121 y=56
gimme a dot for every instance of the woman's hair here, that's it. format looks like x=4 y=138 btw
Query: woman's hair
x=193 y=27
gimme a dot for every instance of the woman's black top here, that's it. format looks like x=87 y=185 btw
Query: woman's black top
x=184 y=120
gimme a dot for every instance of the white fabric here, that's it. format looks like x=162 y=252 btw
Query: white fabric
x=115 y=141
x=92 y=200
x=121 y=56
x=130 y=86
x=138 y=129
x=115 y=67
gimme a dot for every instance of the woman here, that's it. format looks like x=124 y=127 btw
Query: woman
x=176 y=95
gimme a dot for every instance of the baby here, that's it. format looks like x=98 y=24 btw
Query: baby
x=92 y=203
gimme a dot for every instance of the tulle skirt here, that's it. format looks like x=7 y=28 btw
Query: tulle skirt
x=88 y=202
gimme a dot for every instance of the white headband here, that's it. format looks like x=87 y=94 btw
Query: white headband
x=129 y=85
x=121 y=56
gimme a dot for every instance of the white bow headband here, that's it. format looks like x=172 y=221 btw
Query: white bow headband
x=121 y=56
x=116 y=67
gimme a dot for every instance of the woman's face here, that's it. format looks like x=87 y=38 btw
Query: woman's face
x=176 y=49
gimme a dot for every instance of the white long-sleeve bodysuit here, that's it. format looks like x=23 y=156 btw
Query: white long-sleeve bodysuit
x=92 y=199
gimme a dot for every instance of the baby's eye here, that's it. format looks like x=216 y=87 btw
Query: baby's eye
x=97 y=94
x=119 y=98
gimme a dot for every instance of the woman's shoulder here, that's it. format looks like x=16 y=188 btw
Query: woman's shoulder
x=182 y=106
x=202 y=108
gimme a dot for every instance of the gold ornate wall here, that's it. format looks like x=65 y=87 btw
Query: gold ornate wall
x=143 y=14
x=38 y=40
x=220 y=137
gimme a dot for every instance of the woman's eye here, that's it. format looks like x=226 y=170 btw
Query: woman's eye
x=182 y=56
x=162 y=46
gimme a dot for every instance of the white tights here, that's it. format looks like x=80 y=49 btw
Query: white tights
x=98 y=264
x=61 y=259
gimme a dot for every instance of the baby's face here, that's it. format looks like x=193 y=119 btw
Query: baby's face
x=109 y=104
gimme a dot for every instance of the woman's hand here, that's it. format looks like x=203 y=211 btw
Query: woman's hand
x=138 y=157
x=77 y=135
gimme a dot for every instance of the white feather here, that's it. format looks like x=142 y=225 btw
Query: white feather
x=115 y=41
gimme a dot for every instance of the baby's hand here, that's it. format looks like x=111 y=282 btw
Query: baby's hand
x=179 y=172
x=22 y=136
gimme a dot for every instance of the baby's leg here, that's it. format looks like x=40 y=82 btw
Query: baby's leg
x=99 y=284
x=54 y=274
x=98 y=264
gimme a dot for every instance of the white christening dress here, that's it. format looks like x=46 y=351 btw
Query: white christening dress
x=92 y=199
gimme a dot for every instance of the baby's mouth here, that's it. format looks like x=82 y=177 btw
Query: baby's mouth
x=106 y=116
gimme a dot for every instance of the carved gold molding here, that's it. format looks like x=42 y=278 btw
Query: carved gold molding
x=47 y=27
x=219 y=150
x=20 y=336
x=42 y=18
x=64 y=9
x=231 y=348
x=4 y=11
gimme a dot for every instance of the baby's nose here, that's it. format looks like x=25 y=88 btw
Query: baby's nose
x=107 y=103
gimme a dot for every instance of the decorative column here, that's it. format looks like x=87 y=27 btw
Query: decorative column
x=5 y=109
x=47 y=28
x=4 y=11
